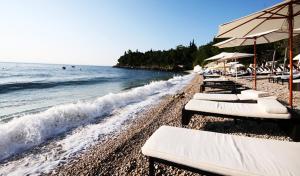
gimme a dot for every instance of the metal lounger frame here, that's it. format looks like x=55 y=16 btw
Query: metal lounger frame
x=225 y=85
x=285 y=123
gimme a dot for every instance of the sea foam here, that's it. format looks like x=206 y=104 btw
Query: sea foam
x=26 y=132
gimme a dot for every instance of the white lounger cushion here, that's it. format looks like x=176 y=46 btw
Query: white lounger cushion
x=234 y=109
x=226 y=97
x=249 y=97
x=224 y=154
x=216 y=97
x=275 y=76
x=296 y=81
x=254 y=93
x=272 y=106
x=216 y=79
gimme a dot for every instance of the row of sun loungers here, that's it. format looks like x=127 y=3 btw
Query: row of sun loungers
x=265 y=71
x=211 y=153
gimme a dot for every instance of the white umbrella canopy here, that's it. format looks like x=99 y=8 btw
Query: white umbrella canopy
x=263 y=37
x=284 y=16
x=234 y=56
x=225 y=56
x=275 y=17
x=297 y=57
x=218 y=56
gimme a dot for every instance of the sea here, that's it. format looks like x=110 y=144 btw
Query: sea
x=51 y=113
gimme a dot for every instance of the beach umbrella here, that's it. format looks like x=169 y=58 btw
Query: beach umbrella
x=254 y=39
x=225 y=56
x=218 y=56
x=235 y=56
x=297 y=57
x=284 y=15
x=228 y=56
x=260 y=38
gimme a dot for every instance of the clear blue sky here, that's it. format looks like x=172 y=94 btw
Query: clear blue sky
x=97 y=32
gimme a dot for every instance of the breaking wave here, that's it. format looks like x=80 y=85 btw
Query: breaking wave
x=26 y=132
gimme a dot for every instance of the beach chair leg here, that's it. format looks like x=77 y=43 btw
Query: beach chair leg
x=234 y=90
x=185 y=117
x=287 y=127
x=202 y=88
x=151 y=166
x=295 y=132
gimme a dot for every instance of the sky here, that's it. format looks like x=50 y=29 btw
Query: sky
x=98 y=32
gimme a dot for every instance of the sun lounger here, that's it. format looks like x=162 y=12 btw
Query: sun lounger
x=219 y=83
x=211 y=153
x=264 y=109
x=246 y=95
x=285 y=78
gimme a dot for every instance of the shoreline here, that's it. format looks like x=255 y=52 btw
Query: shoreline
x=121 y=155
x=99 y=159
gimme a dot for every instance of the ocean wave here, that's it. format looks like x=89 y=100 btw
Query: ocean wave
x=9 y=87
x=25 y=132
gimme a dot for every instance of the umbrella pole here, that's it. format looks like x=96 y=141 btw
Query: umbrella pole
x=290 y=21
x=273 y=64
x=224 y=69
x=284 y=61
x=236 y=70
x=254 y=63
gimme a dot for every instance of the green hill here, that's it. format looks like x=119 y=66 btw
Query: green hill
x=185 y=57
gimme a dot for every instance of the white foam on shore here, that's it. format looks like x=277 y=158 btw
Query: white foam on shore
x=85 y=122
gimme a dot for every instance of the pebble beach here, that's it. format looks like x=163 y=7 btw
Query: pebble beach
x=121 y=154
